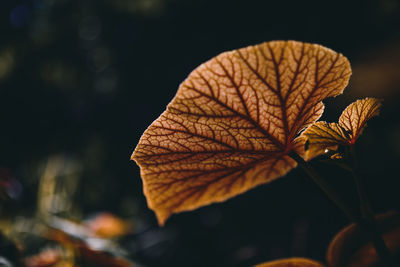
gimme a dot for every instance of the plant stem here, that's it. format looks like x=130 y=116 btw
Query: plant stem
x=367 y=223
x=325 y=187
x=364 y=203
x=368 y=215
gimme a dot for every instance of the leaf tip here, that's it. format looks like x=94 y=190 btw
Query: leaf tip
x=161 y=213
x=161 y=218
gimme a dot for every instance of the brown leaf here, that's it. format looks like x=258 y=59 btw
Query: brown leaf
x=108 y=225
x=45 y=258
x=234 y=121
x=354 y=118
x=351 y=247
x=322 y=135
x=293 y=262
x=86 y=252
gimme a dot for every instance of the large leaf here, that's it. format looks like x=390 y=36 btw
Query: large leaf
x=293 y=262
x=234 y=121
x=322 y=135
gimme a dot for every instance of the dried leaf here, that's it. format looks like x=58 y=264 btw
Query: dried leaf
x=86 y=252
x=293 y=262
x=234 y=121
x=351 y=247
x=45 y=258
x=323 y=135
x=108 y=225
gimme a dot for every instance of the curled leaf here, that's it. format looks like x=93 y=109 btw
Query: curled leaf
x=323 y=135
x=351 y=247
x=293 y=262
x=234 y=121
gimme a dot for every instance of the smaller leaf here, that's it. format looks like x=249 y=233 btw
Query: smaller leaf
x=354 y=118
x=351 y=247
x=323 y=135
x=292 y=262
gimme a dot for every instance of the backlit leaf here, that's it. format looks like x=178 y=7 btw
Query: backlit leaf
x=293 y=262
x=351 y=247
x=323 y=135
x=354 y=118
x=234 y=121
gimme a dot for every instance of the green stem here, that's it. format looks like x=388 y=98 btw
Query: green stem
x=367 y=223
x=325 y=187
x=368 y=215
x=365 y=207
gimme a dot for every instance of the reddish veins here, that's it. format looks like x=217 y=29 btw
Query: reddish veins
x=322 y=135
x=234 y=121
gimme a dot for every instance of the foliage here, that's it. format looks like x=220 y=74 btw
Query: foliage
x=80 y=80
x=234 y=122
x=322 y=135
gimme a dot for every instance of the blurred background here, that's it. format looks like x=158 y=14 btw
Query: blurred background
x=80 y=80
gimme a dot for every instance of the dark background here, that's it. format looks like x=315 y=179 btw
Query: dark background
x=81 y=80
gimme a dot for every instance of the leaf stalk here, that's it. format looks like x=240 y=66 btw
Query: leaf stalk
x=324 y=186
x=367 y=222
x=368 y=215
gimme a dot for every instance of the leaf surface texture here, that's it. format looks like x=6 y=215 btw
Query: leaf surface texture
x=234 y=121
x=323 y=135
